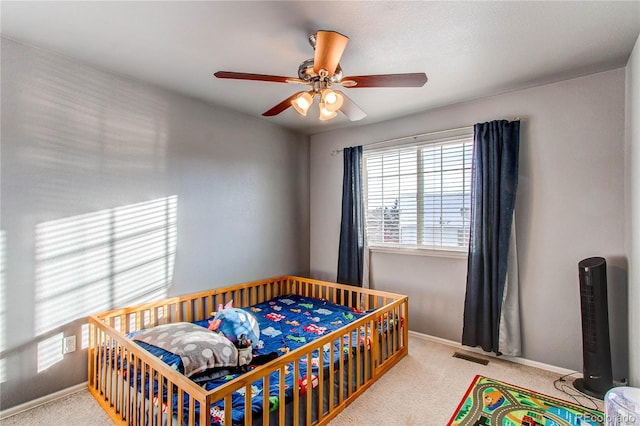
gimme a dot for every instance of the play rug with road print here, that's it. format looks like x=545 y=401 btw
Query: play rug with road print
x=492 y=402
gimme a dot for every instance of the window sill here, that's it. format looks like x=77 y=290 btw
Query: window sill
x=415 y=251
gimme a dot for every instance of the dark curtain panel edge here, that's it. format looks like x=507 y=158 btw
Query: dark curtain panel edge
x=351 y=246
x=494 y=184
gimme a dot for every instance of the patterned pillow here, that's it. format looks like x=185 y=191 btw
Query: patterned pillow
x=199 y=348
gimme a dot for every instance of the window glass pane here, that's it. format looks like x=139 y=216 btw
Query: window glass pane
x=391 y=164
x=374 y=192
x=432 y=159
x=447 y=196
x=374 y=167
x=453 y=181
x=432 y=182
x=419 y=195
x=408 y=217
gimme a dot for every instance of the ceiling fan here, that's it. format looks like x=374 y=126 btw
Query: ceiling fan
x=321 y=73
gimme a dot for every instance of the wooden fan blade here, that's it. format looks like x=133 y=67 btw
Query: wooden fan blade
x=255 y=77
x=281 y=106
x=329 y=48
x=417 y=79
x=349 y=108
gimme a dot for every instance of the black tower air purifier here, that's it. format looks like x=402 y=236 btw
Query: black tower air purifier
x=596 y=353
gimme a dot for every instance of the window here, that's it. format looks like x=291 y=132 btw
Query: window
x=419 y=195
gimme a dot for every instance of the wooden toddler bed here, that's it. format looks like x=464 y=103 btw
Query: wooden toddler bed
x=363 y=335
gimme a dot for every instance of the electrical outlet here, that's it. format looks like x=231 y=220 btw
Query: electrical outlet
x=69 y=344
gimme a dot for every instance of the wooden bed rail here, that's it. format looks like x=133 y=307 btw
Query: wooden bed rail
x=198 y=306
x=370 y=346
x=109 y=383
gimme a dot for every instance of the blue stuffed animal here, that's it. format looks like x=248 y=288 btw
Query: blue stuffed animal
x=235 y=322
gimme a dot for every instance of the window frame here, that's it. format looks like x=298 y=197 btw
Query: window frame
x=464 y=134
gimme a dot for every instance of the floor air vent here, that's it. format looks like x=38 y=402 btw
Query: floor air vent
x=471 y=358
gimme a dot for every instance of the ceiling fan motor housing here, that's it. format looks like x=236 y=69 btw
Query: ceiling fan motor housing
x=306 y=72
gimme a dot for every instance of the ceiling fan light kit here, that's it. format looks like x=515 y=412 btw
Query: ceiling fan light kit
x=323 y=71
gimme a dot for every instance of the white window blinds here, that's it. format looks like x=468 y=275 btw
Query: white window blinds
x=419 y=195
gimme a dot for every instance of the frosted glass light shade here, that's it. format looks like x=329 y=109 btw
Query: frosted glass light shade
x=325 y=113
x=332 y=100
x=302 y=103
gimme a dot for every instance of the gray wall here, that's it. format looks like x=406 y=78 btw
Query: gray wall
x=570 y=205
x=632 y=207
x=76 y=140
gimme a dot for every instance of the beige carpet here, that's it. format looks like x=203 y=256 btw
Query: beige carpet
x=423 y=389
x=77 y=409
x=426 y=387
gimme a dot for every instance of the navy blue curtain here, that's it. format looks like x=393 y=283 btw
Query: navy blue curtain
x=493 y=193
x=351 y=250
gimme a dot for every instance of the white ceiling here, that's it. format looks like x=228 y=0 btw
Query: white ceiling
x=467 y=49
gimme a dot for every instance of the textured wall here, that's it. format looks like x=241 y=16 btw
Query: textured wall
x=85 y=154
x=633 y=209
x=570 y=205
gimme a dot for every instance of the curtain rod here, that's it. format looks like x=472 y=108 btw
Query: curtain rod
x=336 y=151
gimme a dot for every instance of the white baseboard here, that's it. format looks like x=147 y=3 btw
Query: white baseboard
x=42 y=400
x=514 y=359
